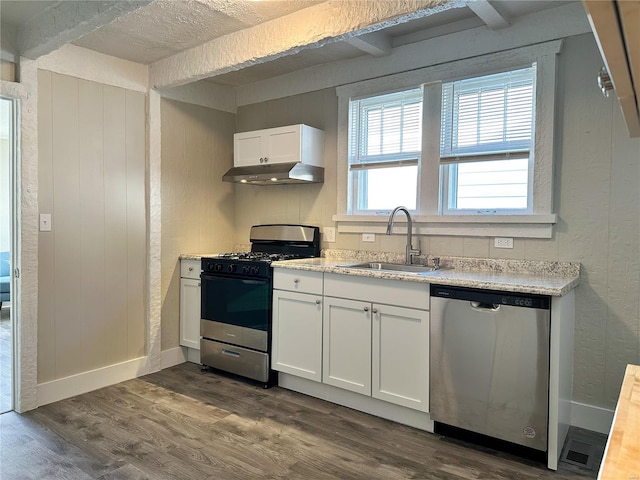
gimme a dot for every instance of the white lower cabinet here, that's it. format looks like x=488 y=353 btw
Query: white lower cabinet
x=346 y=344
x=400 y=361
x=190 y=303
x=369 y=336
x=297 y=334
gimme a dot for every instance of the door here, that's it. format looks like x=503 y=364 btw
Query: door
x=283 y=144
x=346 y=354
x=190 y=313
x=236 y=301
x=401 y=356
x=8 y=125
x=248 y=148
x=297 y=334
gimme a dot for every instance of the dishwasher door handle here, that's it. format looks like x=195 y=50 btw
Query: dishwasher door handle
x=485 y=307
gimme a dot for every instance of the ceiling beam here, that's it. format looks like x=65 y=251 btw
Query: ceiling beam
x=488 y=14
x=67 y=21
x=312 y=27
x=377 y=44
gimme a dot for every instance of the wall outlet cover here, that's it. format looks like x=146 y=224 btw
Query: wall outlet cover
x=368 y=237
x=503 y=242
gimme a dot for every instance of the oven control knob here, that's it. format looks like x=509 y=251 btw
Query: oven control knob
x=217 y=267
x=246 y=269
x=255 y=270
x=231 y=268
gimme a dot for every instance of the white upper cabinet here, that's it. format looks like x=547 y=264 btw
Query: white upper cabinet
x=290 y=144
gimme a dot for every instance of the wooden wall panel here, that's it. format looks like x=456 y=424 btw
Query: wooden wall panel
x=46 y=290
x=91 y=253
x=92 y=265
x=69 y=331
x=197 y=207
x=115 y=193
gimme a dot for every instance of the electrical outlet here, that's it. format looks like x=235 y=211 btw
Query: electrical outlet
x=45 y=222
x=329 y=234
x=503 y=242
x=368 y=237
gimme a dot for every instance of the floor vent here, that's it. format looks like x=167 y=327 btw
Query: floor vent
x=583 y=448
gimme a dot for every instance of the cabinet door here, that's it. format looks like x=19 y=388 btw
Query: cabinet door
x=346 y=351
x=248 y=148
x=401 y=356
x=190 y=313
x=297 y=334
x=283 y=144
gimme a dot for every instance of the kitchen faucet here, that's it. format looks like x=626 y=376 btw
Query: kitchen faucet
x=410 y=251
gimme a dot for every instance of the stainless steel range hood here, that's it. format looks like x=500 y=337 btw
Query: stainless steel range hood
x=275 y=174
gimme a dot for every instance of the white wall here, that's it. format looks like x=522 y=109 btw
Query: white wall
x=597 y=198
x=91 y=163
x=5 y=180
x=198 y=209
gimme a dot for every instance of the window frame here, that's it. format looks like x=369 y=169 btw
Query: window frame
x=354 y=170
x=429 y=218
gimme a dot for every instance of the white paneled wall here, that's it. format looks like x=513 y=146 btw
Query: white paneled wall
x=91 y=179
x=198 y=209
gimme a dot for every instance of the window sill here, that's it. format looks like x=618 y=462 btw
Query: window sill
x=516 y=226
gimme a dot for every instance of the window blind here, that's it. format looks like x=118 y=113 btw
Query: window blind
x=489 y=117
x=385 y=130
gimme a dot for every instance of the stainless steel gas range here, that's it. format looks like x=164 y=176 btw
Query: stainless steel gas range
x=236 y=304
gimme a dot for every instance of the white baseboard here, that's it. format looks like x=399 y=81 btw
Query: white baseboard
x=73 y=385
x=173 y=356
x=596 y=419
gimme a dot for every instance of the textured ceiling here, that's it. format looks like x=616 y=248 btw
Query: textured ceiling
x=166 y=27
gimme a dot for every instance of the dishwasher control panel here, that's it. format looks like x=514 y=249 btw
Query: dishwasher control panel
x=493 y=297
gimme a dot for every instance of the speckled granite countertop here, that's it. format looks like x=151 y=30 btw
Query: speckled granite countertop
x=196 y=256
x=544 y=278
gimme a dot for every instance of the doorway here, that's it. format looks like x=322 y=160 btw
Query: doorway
x=7 y=162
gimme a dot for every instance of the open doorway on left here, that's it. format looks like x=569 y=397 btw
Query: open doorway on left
x=7 y=161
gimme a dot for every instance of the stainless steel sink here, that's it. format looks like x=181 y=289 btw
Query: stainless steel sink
x=392 y=267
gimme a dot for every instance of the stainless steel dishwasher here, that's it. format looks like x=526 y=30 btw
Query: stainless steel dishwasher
x=489 y=363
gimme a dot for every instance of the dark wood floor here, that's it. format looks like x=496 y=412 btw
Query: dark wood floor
x=6 y=351
x=184 y=424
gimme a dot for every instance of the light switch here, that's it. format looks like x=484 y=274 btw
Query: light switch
x=45 y=222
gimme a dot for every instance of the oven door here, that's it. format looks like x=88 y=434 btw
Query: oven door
x=236 y=310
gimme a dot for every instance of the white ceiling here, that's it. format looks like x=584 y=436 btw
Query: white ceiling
x=161 y=28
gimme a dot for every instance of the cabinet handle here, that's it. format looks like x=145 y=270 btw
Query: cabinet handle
x=295 y=280
x=375 y=310
x=265 y=159
x=317 y=302
x=191 y=269
x=366 y=309
x=199 y=284
x=261 y=159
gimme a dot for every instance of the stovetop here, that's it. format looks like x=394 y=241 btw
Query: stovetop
x=258 y=256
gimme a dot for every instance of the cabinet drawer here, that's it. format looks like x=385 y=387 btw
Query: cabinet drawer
x=378 y=290
x=190 y=268
x=298 y=281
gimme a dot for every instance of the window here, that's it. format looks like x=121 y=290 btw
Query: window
x=481 y=160
x=384 y=151
x=486 y=144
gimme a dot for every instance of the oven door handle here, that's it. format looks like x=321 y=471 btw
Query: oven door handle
x=254 y=282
